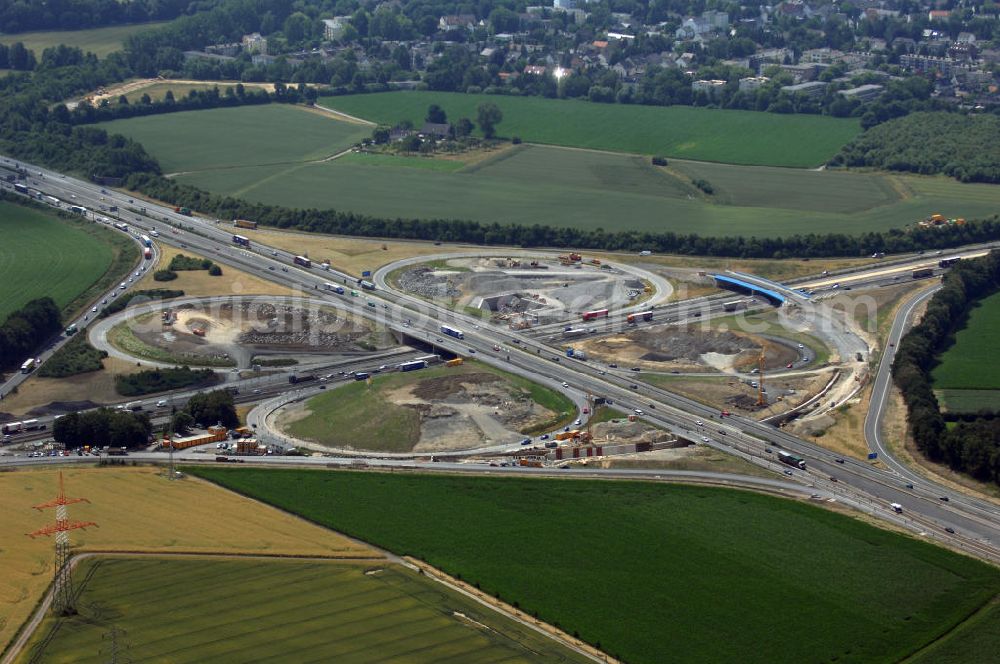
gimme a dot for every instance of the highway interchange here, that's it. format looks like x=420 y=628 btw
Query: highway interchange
x=862 y=485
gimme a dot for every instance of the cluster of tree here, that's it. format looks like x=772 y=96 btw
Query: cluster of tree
x=139 y=297
x=17 y=57
x=103 y=426
x=25 y=15
x=75 y=357
x=26 y=329
x=206 y=408
x=180 y=263
x=450 y=230
x=962 y=146
x=164 y=275
x=972 y=446
x=162 y=380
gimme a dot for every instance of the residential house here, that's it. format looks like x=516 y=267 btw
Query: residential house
x=255 y=43
x=333 y=28
x=534 y=70
x=938 y=15
x=457 y=22
x=437 y=130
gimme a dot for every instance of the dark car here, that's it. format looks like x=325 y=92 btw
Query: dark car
x=944 y=498
x=950 y=530
x=839 y=460
x=634 y=386
x=636 y=369
x=544 y=436
x=612 y=366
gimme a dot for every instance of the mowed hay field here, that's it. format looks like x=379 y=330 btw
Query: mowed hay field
x=99 y=41
x=283 y=611
x=968 y=373
x=247 y=136
x=42 y=255
x=138 y=510
x=732 y=137
x=366 y=417
x=656 y=572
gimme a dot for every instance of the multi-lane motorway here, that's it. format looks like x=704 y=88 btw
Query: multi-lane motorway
x=976 y=522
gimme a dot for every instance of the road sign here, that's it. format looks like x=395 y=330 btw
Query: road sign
x=873 y=455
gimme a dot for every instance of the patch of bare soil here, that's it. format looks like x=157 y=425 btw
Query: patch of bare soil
x=467 y=411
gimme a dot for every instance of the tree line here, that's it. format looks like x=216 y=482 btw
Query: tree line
x=25 y=15
x=103 y=426
x=207 y=409
x=973 y=445
x=27 y=328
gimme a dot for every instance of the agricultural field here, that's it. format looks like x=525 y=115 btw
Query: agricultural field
x=99 y=41
x=76 y=256
x=589 y=190
x=733 y=137
x=387 y=416
x=235 y=152
x=968 y=373
x=161 y=516
x=242 y=610
x=234 y=138
x=702 y=574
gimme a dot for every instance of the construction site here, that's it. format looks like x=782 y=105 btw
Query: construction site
x=526 y=292
x=241 y=330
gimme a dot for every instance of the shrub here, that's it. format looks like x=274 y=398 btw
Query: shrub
x=164 y=275
x=215 y=271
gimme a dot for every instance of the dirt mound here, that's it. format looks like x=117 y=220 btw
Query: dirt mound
x=443 y=387
x=56 y=407
x=670 y=344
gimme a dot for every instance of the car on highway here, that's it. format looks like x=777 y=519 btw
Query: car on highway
x=767 y=450
x=949 y=529
x=602 y=373
x=526 y=441
x=636 y=369
x=104 y=301
x=839 y=460
x=544 y=436
x=577 y=422
x=832 y=478
x=274 y=253
x=704 y=439
x=788 y=472
x=612 y=366
x=472 y=350
x=565 y=384
x=638 y=411
x=699 y=423
x=944 y=498
x=93 y=309
x=634 y=386
x=439 y=340
x=788 y=366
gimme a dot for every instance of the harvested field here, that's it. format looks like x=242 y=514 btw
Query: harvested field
x=186 y=515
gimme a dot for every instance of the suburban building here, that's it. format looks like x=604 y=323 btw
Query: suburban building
x=255 y=43
x=864 y=92
x=811 y=89
x=333 y=28
x=713 y=88
x=752 y=83
x=457 y=22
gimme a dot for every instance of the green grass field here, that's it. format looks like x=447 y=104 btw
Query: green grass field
x=362 y=417
x=656 y=572
x=43 y=255
x=234 y=138
x=733 y=137
x=968 y=373
x=198 y=610
x=99 y=41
